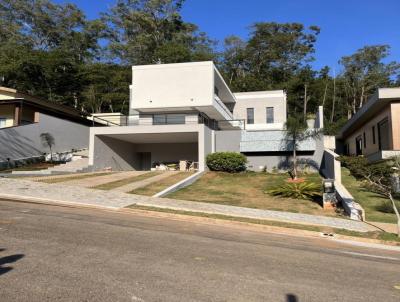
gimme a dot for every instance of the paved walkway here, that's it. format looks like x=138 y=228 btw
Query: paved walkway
x=55 y=176
x=144 y=182
x=101 y=180
x=15 y=188
x=387 y=227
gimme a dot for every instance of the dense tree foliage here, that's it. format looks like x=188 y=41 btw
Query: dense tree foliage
x=54 y=51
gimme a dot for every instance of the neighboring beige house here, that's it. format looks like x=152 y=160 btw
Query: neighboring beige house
x=374 y=131
x=23 y=118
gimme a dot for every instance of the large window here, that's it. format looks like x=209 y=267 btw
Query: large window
x=250 y=115
x=168 y=119
x=270 y=115
x=383 y=135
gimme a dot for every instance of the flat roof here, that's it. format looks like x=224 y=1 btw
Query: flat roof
x=260 y=94
x=380 y=99
x=169 y=65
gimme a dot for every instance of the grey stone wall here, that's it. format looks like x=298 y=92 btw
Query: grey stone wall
x=24 y=141
x=310 y=157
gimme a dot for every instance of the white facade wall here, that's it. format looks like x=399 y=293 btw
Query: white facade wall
x=172 y=86
x=259 y=101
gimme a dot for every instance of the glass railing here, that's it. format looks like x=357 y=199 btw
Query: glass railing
x=166 y=119
x=223 y=107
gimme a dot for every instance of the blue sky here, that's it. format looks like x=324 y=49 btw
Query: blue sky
x=346 y=25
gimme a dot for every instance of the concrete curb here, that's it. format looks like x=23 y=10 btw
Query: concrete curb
x=179 y=185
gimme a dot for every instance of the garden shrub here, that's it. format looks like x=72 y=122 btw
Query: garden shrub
x=303 y=190
x=231 y=162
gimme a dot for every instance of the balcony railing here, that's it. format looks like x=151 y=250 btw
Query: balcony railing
x=223 y=107
x=166 y=119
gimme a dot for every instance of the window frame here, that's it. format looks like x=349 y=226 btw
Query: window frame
x=250 y=121
x=3 y=120
x=273 y=115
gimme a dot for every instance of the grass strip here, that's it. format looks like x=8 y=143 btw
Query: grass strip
x=51 y=180
x=393 y=238
x=160 y=185
x=122 y=182
x=377 y=208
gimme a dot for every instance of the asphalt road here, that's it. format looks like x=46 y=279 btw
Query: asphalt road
x=50 y=253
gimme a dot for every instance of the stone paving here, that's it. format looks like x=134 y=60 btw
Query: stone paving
x=56 y=176
x=101 y=180
x=144 y=182
x=17 y=188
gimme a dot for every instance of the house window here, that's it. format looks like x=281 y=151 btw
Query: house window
x=2 y=122
x=383 y=134
x=168 y=119
x=175 y=119
x=373 y=135
x=365 y=141
x=270 y=115
x=358 y=145
x=250 y=115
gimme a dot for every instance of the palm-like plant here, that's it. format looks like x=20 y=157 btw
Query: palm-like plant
x=297 y=132
x=303 y=190
x=48 y=141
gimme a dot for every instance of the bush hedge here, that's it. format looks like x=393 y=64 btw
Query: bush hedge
x=231 y=162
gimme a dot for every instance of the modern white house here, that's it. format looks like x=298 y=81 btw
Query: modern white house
x=185 y=111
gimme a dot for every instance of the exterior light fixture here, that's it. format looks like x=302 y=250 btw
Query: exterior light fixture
x=329 y=185
x=329 y=197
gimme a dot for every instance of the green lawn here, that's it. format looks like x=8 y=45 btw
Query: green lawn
x=162 y=184
x=377 y=208
x=125 y=181
x=247 y=190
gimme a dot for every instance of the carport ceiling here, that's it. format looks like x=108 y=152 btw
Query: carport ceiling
x=156 y=138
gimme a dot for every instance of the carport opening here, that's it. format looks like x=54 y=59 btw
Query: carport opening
x=169 y=151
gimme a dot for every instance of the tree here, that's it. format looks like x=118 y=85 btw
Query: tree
x=153 y=31
x=271 y=58
x=105 y=87
x=378 y=177
x=364 y=72
x=297 y=132
x=48 y=141
x=43 y=45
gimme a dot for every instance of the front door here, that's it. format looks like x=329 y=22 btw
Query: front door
x=145 y=161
